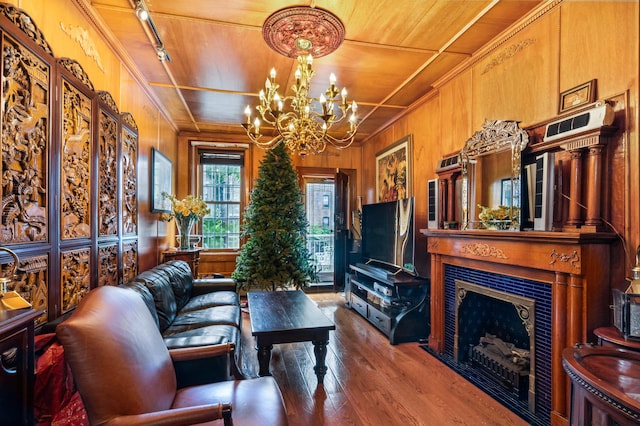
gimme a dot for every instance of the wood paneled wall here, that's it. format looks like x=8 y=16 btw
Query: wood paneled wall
x=519 y=77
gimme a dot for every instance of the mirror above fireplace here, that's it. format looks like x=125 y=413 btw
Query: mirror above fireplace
x=491 y=163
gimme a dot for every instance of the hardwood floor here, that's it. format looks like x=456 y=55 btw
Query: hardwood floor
x=370 y=382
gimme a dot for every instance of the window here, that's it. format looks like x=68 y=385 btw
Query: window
x=221 y=177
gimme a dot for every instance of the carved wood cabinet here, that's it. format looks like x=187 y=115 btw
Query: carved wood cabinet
x=69 y=174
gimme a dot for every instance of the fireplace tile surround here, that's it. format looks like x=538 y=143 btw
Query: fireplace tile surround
x=566 y=273
x=540 y=292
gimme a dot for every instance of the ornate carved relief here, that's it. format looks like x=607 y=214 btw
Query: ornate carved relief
x=107 y=99
x=107 y=175
x=25 y=133
x=82 y=37
x=129 y=121
x=75 y=180
x=76 y=70
x=129 y=261
x=484 y=250
x=30 y=282
x=508 y=52
x=75 y=277
x=572 y=258
x=129 y=182
x=108 y=265
x=24 y=22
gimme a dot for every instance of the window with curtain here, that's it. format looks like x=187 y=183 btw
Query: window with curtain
x=221 y=183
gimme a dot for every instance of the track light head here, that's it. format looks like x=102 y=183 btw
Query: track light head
x=141 y=11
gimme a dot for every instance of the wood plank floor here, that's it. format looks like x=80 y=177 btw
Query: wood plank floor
x=370 y=382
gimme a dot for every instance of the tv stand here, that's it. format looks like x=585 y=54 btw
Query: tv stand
x=395 y=301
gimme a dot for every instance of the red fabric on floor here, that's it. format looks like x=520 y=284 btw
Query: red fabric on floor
x=56 y=399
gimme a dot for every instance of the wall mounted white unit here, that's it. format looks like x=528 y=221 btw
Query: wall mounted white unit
x=600 y=115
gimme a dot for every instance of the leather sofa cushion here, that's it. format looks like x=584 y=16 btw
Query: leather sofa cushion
x=218 y=298
x=216 y=315
x=179 y=274
x=194 y=340
x=160 y=288
x=147 y=297
x=229 y=332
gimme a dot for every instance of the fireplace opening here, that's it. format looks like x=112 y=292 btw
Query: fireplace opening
x=494 y=334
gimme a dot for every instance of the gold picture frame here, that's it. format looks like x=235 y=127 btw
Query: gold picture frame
x=394 y=171
x=577 y=96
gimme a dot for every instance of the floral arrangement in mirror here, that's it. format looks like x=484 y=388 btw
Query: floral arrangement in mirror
x=500 y=218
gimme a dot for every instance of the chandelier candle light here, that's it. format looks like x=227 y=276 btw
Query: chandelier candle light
x=303 y=128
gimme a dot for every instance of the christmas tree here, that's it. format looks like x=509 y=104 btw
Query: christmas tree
x=274 y=255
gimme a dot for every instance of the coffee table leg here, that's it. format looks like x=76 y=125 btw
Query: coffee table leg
x=320 y=350
x=264 y=358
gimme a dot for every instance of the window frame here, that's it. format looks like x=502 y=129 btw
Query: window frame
x=199 y=171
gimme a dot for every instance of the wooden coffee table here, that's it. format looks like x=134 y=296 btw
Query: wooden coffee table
x=287 y=317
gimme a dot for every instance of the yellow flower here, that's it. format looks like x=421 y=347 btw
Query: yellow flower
x=191 y=207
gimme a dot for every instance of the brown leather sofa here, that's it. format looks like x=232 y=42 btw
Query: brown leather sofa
x=193 y=313
x=125 y=375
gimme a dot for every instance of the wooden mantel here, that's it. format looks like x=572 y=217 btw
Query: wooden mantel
x=576 y=264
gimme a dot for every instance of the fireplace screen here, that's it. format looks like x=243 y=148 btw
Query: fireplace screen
x=495 y=335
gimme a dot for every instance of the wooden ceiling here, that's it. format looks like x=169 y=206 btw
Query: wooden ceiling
x=393 y=51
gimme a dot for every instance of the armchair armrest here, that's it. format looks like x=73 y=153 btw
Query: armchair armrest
x=178 y=416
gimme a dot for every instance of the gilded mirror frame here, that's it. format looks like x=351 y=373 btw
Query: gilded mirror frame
x=495 y=137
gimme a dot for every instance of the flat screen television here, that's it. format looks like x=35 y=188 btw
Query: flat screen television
x=387 y=233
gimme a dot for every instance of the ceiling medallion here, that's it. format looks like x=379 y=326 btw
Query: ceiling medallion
x=303 y=30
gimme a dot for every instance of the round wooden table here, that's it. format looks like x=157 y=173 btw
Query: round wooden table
x=611 y=337
x=605 y=385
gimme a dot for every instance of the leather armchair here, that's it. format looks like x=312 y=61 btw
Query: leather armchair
x=125 y=375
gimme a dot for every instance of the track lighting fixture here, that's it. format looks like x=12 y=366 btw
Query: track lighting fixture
x=142 y=12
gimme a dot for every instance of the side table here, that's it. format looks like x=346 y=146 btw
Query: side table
x=191 y=256
x=17 y=366
x=611 y=337
x=605 y=385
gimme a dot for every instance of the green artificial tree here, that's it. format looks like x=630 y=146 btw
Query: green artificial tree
x=274 y=255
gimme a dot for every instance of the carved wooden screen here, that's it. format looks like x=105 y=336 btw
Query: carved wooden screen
x=61 y=194
x=108 y=265
x=129 y=261
x=75 y=155
x=26 y=134
x=75 y=277
x=129 y=175
x=25 y=150
x=107 y=166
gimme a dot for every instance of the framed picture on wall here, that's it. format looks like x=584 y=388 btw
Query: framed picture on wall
x=394 y=171
x=578 y=96
x=161 y=181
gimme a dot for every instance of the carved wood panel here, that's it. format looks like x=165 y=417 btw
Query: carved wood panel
x=75 y=182
x=129 y=261
x=75 y=277
x=107 y=175
x=108 y=265
x=129 y=180
x=31 y=282
x=73 y=177
x=25 y=136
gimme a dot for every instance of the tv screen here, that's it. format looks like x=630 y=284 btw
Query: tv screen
x=387 y=233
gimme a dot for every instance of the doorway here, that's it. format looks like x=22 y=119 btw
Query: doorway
x=320 y=208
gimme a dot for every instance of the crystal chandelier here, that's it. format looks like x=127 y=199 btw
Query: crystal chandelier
x=301 y=122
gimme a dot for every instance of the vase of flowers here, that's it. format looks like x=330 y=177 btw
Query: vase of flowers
x=186 y=213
